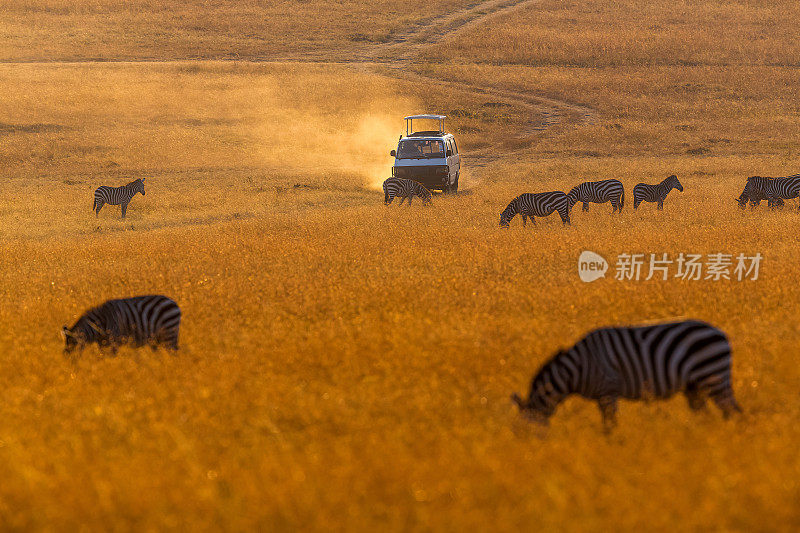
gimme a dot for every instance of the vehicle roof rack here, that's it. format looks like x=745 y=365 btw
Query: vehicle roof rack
x=425 y=133
x=410 y=123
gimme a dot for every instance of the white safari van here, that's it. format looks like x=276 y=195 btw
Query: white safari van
x=428 y=156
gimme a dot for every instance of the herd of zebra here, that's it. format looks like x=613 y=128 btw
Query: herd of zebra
x=635 y=363
x=531 y=205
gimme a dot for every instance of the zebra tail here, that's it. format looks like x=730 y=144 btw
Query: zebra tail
x=622 y=199
x=94 y=204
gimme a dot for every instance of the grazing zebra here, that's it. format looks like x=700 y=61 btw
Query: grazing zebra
x=636 y=363
x=598 y=192
x=403 y=189
x=140 y=320
x=655 y=193
x=776 y=188
x=754 y=196
x=117 y=195
x=540 y=204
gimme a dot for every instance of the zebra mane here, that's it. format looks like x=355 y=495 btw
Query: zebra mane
x=555 y=361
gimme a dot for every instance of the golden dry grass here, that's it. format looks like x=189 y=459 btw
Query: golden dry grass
x=347 y=366
x=107 y=30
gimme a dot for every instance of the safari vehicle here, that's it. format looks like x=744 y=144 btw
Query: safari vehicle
x=428 y=156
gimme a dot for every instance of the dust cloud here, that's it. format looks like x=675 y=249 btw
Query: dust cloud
x=344 y=127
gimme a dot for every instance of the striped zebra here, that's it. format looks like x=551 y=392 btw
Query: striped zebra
x=598 y=192
x=655 y=193
x=140 y=320
x=636 y=363
x=117 y=195
x=776 y=188
x=403 y=189
x=540 y=205
x=754 y=196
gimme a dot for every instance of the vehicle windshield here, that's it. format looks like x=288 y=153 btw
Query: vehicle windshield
x=420 y=149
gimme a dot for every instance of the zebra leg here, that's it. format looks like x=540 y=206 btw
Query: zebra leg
x=410 y=197
x=169 y=339
x=608 y=408
x=696 y=400
x=585 y=206
x=124 y=208
x=724 y=399
x=636 y=202
x=401 y=200
x=661 y=204
x=98 y=206
x=564 y=217
x=524 y=220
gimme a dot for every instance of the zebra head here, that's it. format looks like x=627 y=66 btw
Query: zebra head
x=742 y=200
x=73 y=338
x=544 y=394
x=748 y=194
x=426 y=196
x=572 y=197
x=530 y=408
x=674 y=182
x=507 y=214
x=138 y=186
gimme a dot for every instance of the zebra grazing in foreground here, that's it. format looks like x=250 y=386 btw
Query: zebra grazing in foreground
x=776 y=188
x=598 y=192
x=655 y=193
x=540 y=204
x=117 y=195
x=140 y=320
x=754 y=196
x=636 y=363
x=403 y=189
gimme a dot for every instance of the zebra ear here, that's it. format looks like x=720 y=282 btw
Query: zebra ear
x=143 y=180
x=65 y=332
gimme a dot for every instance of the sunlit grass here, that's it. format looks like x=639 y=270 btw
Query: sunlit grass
x=345 y=365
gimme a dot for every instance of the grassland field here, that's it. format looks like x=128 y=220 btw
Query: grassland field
x=346 y=365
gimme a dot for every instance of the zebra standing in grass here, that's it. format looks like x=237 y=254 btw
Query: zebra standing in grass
x=117 y=195
x=636 y=363
x=403 y=189
x=140 y=320
x=776 y=188
x=655 y=193
x=754 y=196
x=598 y=192
x=540 y=205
